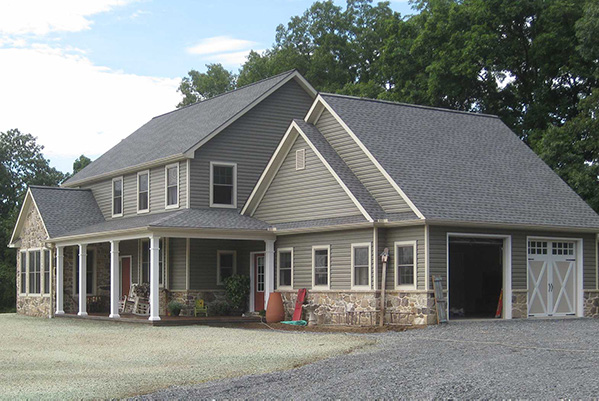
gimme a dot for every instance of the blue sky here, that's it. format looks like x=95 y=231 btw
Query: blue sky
x=80 y=75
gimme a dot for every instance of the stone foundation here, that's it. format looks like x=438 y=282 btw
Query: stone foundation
x=188 y=298
x=38 y=306
x=406 y=308
x=591 y=303
x=519 y=304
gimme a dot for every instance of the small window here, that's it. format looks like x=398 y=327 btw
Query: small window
x=143 y=192
x=117 y=197
x=405 y=262
x=300 y=159
x=46 y=271
x=537 y=247
x=223 y=191
x=285 y=267
x=23 y=272
x=226 y=265
x=35 y=269
x=89 y=272
x=172 y=186
x=320 y=266
x=562 y=248
x=361 y=265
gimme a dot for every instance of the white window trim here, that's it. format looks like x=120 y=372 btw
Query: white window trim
x=122 y=196
x=226 y=164
x=414 y=245
x=21 y=252
x=27 y=275
x=176 y=205
x=319 y=248
x=94 y=276
x=43 y=278
x=140 y=211
x=224 y=252
x=353 y=247
x=279 y=286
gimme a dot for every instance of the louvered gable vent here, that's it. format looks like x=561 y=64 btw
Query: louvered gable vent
x=300 y=159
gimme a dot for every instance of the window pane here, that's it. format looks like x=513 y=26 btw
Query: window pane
x=143 y=183
x=321 y=267
x=361 y=275
x=23 y=272
x=321 y=276
x=321 y=258
x=46 y=272
x=172 y=195
x=285 y=259
x=405 y=255
x=222 y=195
x=172 y=176
x=226 y=260
x=117 y=187
x=361 y=256
x=222 y=175
x=143 y=201
x=225 y=273
x=406 y=275
x=89 y=273
x=285 y=278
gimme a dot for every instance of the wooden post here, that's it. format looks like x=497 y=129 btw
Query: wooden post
x=384 y=257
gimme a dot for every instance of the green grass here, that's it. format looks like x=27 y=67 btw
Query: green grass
x=71 y=359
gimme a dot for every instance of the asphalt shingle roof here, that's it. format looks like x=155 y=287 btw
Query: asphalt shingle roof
x=65 y=210
x=462 y=166
x=174 y=133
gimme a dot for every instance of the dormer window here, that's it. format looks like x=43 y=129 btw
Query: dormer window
x=223 y=184
x=117 y=197
x=172 y=186
x=143 y=192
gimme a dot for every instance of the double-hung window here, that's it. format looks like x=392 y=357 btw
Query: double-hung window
x=405 y=265
x=321 y=266
x=226 y=265
x=143 y=192
x=89 y=272
x=285 y=267
x=223 y=184
x=35 y=272
x=46 y=271
x=117 y=197
x=23 y=272
x=172 y=186
x=360 y=265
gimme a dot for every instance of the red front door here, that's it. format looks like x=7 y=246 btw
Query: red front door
x=125 y=276
x=259 y=282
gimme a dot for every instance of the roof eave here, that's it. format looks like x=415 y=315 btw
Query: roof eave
x=516 y=226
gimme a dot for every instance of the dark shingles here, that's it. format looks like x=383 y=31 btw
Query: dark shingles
x=174 y=133
x=462 y=166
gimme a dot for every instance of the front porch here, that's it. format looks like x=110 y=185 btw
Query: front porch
x=92 y=276
x=167 y=320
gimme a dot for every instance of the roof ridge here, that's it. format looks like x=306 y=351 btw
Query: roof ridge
x=59 y=188
x=418 y=106
x=225 y=93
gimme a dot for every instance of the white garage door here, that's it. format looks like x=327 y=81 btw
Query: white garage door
x=551 y=278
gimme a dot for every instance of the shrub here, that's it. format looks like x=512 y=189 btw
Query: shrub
x=237 y=291
x=218 y=308
x=175 y=308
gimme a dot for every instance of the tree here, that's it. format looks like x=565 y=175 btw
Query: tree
x=80 y=163
x=201 y=86
x=21 y=164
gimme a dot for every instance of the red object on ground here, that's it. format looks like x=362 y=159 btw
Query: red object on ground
x=274 y=310
x=301 y=297
x=499 y=305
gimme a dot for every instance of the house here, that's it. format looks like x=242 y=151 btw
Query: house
x=304 y=190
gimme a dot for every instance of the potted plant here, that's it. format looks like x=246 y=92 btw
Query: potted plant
x=175 y=307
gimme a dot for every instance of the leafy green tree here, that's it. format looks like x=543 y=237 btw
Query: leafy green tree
x=21 y=164
x=198 y=86
x=80 y=163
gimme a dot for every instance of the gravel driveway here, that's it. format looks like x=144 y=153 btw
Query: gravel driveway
x=534 y=359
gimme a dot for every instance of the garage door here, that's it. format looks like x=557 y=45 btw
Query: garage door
x=551 y=278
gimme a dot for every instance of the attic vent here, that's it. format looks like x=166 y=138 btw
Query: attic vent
x=300 y=159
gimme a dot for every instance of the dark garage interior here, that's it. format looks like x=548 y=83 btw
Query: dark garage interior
x=475 y=277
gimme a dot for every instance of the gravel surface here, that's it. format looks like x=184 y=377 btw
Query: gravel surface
x=82 y=359
x=532 y=359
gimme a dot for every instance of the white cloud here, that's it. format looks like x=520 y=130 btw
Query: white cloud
x=40 y=17
x=220 y=44
x=233 y=58
x=72 y=105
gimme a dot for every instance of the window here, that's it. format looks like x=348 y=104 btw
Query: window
x=285 y=267
x=360 y=260
x=143 y=192
x=300 y=159
x=117 y=197
x=537 y=247
x=35 y=266
x=46 y=270
x=226 y=265
x=89 y=272
x=405 y=264
x=172 y=186
x=23 y=272
x=562 y=248
x=145 y=261
x=320 y=266
x=223 y=184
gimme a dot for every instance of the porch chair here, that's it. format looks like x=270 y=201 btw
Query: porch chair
x=200 y=308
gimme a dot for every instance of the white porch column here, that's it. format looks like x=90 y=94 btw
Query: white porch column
x=82 y=280
x=114 y=279
x=154 y=266
x=269 y=269
x=59 y=280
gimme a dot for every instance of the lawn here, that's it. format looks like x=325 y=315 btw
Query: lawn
x=69 y=359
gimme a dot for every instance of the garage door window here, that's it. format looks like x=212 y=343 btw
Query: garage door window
x=563 y=248
x=537 y=247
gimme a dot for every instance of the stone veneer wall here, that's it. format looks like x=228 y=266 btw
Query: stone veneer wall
x=413 y=308
x=188 y=298
x=519 y=304
x=591 y=303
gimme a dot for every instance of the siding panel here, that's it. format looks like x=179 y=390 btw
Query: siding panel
x=177 y=263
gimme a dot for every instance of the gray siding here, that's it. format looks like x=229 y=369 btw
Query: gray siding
x=340 y=243
x=249 y=142
x=312 y=193
x=177 y=263
x=103 y=193
x=438 y=252
x=361 y=165
x=203 y=264
x=131 y=248
x=387 y=239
